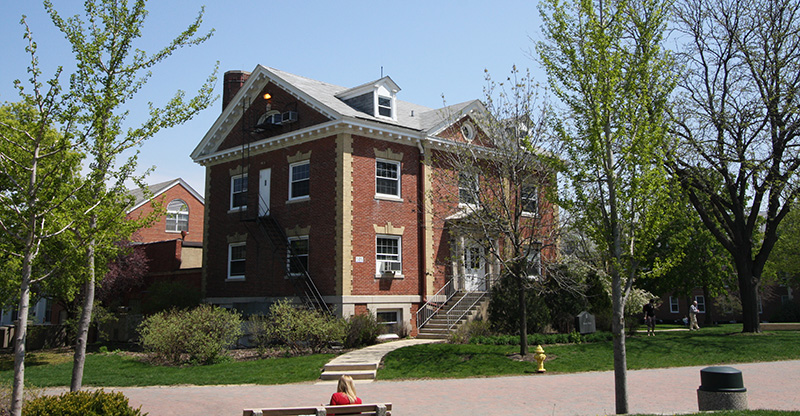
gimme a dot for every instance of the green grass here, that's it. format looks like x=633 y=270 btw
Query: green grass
x=709 y=346
x=107 y=370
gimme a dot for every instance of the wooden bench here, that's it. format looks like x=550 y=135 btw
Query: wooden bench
x=374 y=409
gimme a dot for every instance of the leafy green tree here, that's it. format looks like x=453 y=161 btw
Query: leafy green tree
x=782 y=266
x=110 y=71
x=605 y=62
x=702 y=261
x=38 y=176
x=739 y=128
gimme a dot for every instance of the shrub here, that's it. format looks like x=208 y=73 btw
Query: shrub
x=197 y=336
x=471 y=329
x=788 y=312
x=81 y=403
x=300 y=328
x=362 y=330
x=542 y=339
x=504 y=311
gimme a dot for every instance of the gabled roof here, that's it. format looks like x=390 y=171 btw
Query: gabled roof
x=158 y=189
x=417 y=120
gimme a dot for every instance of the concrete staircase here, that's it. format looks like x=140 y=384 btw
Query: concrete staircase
x=437 y=326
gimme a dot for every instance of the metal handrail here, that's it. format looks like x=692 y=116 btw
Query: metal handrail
x=312 y=295
x=435 y=303
x=452 y=322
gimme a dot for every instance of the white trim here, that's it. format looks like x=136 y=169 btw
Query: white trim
x=230 y=252
x=291 y=181
x=246 y=182
x=177 y=181
x=399 y=166
x=379 y=263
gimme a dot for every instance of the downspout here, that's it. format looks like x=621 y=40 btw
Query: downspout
x=421 y=252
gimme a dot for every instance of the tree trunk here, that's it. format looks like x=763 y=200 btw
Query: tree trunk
x=523 y=319
x=620 y=357
x=82 y=337
x=748 y=292
x=20 y=334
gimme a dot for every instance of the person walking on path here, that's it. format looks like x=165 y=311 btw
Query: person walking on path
x=693 y=311
x=650 y=317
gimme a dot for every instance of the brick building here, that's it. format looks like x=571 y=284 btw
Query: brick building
x=321 y=193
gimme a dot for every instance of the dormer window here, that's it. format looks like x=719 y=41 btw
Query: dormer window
x=376 y=98
x=385 y=106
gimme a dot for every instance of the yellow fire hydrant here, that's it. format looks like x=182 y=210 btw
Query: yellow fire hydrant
x=539 y=357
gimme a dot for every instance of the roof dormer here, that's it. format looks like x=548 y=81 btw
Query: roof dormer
x=377 y=98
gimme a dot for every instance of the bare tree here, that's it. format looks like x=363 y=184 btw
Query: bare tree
x=738 y=124
x=493 y=186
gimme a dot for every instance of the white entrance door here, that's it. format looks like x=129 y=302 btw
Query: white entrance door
x=263 y=192
x=474 y=268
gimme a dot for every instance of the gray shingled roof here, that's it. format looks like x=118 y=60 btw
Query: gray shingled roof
x=139 y=194
x=423 y=118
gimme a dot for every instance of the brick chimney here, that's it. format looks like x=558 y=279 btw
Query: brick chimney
x=232 y=82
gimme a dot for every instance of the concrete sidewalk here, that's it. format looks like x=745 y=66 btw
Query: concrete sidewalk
x=362 y=364
x=773 y=385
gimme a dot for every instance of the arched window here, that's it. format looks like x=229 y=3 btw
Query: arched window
x=177 y=216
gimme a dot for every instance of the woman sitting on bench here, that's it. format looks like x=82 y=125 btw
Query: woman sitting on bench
x=345 y=392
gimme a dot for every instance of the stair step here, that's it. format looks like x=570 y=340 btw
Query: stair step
x=350 y=367
x=356 y=375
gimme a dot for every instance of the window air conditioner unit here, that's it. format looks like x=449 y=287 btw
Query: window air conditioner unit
x=276 y=119
x=389 y=267
x=289 y=117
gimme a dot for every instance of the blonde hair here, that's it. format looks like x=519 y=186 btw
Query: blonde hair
x=346 y=386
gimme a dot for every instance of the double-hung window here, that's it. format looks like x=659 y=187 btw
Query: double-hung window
x=467 y=188
x=177 y=216
x=701 y=303
x=387 y=178
x=388 y=255
x=534 y=263
x=530 y=199
x=237 y=255
x=384 y=106
x=673 y=305
x=299 y=179
x=239 y=192
x=297 y=257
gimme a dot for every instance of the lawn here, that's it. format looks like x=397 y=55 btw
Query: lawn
x=709 y=346
x=121 y=370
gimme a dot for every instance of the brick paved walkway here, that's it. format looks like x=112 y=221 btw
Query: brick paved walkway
x=663 y=391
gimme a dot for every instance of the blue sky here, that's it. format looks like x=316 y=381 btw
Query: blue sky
x=430 y=49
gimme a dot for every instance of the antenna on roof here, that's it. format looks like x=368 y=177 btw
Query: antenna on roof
x=381 y=71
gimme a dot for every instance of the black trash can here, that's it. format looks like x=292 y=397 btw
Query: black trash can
x=721 y=388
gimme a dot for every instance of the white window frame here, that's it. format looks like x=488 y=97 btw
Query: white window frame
x=468 y=186
x=242 y=190
x=231 y=260
x=382 y=257
x=292 y=180
x=534 y=256
x=395 y=325
x=288 y=258
x=526 y=199
x=674 y=305
x=178 y=214
x=701 y=303
x=396 y=180
x=380 y=107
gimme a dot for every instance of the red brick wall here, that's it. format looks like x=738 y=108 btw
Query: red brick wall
x=157 y=231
